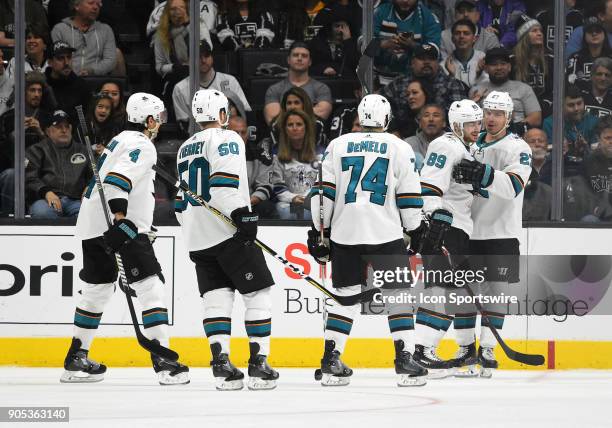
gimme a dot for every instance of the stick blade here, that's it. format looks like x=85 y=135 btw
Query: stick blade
x=365 y=296
x=527 y=359
x=157 y=349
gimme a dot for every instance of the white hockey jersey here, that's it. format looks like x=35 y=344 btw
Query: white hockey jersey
x=371 y=189
x=126 y=172
x=213 y=164
x=498 y=211
x=438 y=188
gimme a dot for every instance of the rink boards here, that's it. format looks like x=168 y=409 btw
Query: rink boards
x=39 y=281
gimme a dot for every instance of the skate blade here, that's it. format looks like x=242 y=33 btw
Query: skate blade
x=436 y=374
x=466 y=371
x=165 y=378
x=80 y=377
x=228 y=385
x=330 y=380
x=259 y=384
x=404 y=380
x=486 y=373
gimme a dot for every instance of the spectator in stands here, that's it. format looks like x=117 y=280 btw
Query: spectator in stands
x=57 y=171
x=35 y=14
x=6 y=85
x=598 y=169
x=497 y=16
x=299 y=63
x=296 y=98
x=36 y=44
x=465 y=63
x=425 y=66
x=538 y=195
x=578 y=126
x=527 y=110
x=114 y=90
x=340 y=122
x=242 y=24
x=93 y=41
x=432 y=123
x=546 y=16
x=293 y=170
x=531 y=63
x=419 y=93
x=208 y=19
x=100 y=121
x=209 y=79
x=485 y=40
x=171 y=45
x=301 y=21
x=69 y=89
x=594 y=45
x=600 y=9
x=259 y=168
x=351 y=11
x=598 y=99
x=402 y=26
x=334 y=50
x=39 y=103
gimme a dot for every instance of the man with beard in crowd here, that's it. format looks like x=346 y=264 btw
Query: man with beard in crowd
x=538 y=195
x=431 y=125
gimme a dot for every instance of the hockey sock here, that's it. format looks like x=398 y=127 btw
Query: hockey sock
x=401 y=326
x=258 y=318
x=431 y=326
x=465 y=328
x=150 y=294
x=88 y=313
x=217 y=307
x=339 y=320
x=487 y=339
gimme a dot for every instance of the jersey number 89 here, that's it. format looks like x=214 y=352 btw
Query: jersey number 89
x=373 y=181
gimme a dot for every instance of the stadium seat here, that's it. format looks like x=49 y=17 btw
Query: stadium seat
x=257 y=90
x=249 y=60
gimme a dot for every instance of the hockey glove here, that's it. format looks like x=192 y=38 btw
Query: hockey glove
x=317 y=249
x=413 y=237
x=433 y=237
x=120 y=233
x=246 y=223
x=479 y=175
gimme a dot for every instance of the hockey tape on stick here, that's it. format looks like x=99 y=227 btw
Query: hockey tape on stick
x=146 y=343
x=364 y=296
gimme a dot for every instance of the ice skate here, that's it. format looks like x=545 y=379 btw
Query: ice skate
x=465 y=361
x=408 y=371
x=170 y=372
x=487 y=361
x=333 y=371
x=426 y=357
x=261 y=375
x=227 y=376
x=79 y=368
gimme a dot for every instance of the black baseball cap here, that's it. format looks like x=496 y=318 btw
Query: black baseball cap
x=591 y=23
x=463 y=3
x=495 y=54
x=427 y=50
x=58 y=117
x=205 y=48
x=61 y=47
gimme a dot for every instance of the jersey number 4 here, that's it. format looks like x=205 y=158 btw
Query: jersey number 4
x=373 y=181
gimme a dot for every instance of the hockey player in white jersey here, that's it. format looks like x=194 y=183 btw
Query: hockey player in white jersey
x=213 y=163
x=372 y=196
x=447 y=208
x=498 y=175
x=127 y=180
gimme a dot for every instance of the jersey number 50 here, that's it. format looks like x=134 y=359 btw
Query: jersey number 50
x=373 y=181
x=197 y=179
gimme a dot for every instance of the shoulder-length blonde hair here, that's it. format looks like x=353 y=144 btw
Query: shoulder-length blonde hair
x=163 y=30
x=522 y=54
x=308 y=152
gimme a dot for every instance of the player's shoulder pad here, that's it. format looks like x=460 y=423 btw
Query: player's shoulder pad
x=446 y=143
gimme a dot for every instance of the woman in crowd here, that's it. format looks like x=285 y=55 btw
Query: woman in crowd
x=595 y=44
x=114 y=89
x=99 y=118
x=419 y=93
x=531 y=64
x=294 y=169
x=37 y=40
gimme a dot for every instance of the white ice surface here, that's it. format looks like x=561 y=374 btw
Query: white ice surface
x=130 y=397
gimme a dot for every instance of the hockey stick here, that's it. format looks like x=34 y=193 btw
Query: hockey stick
x=146 y=343
x=365 y=296
x=365 y=62
x=528 y=359
x=321 y=216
